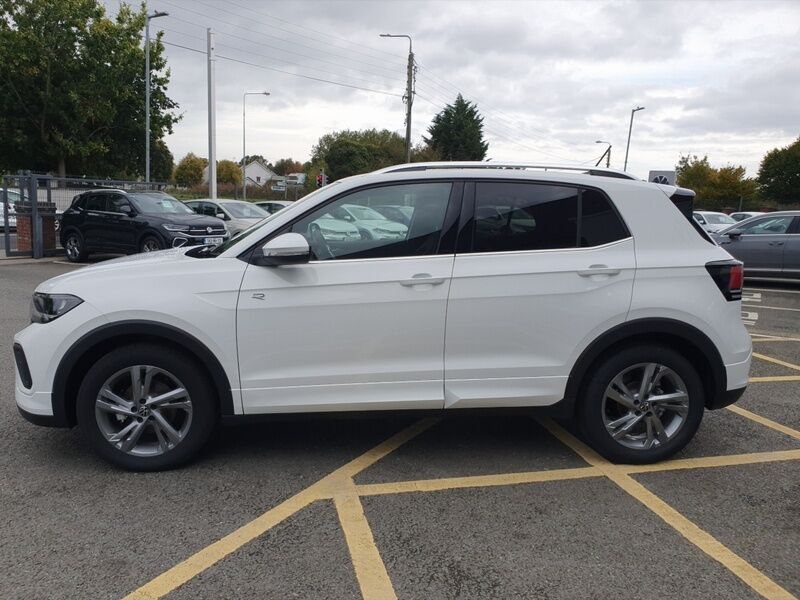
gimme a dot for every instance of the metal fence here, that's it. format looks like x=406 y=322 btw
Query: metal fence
x=32 y=205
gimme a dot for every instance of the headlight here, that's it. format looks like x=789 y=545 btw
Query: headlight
x=176 y=227
x=47 y=307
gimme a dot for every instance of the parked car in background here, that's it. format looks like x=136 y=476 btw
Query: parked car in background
x=273 y=206
x=712 y=221
x=401 y=214
x=13 y=197
x=117 y=221
x=768 y=245
x=370 y=223
x=237 y=214
x=741 y=216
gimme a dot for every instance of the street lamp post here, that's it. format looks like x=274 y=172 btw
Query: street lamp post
x=630 y=128
x=244 y=138
x=147 y=18
x=606 y=154
x=409 y=90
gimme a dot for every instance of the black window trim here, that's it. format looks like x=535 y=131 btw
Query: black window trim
x=467 y=231
x=452 y=212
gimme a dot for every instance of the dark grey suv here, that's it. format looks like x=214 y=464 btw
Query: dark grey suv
x=768 y=245
x=128 y=222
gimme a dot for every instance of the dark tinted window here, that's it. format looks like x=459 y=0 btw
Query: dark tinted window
x=96 y=202
x=524 y=216
x=600 y=223
x=350 y=228
x=115 y=202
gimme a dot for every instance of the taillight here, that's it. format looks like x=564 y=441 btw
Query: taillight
x=729 y=276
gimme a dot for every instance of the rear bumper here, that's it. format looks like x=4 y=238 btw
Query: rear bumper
x=41 y=420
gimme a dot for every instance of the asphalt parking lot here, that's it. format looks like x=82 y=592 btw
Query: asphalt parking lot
x=459 y=507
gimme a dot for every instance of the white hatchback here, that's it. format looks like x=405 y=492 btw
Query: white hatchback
x=586 y=293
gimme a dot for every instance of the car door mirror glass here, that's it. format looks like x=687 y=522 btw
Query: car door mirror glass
x=285 y=249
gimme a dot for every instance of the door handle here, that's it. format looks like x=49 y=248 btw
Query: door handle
x=776 y=243
x=598 y=270
x=421 y=279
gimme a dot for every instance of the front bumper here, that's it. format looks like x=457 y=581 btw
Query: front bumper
x=179 y=239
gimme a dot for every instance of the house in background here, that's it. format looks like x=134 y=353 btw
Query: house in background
x=257 y=173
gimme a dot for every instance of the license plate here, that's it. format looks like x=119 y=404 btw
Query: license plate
x=213 y=241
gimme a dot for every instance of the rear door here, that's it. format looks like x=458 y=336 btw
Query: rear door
x=540 y=269
x=761 y=244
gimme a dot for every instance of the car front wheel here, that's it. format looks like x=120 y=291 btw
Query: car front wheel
x=74 y=248
x=146 y=408
x=151 y=244
x=641 y=405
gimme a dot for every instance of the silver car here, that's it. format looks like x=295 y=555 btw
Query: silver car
x=768 y=244
x=237 y=214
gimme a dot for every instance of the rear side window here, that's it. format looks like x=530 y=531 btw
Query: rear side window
x=524 y=216
x=599 y=224
x=96 y=202
x=527 y=216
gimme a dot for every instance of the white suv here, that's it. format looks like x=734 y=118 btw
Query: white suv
x=586 y=292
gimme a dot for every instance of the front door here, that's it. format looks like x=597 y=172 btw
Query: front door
x=761 y=244
x=361 y=326
x=547 y=269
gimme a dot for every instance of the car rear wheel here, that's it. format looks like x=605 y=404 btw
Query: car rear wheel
x=151 y=244
x=74 y=248
x=146 y=408
x=641 y=405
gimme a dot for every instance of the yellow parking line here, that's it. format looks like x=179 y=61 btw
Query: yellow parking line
x=704 y=462
x=772 y=378
x=213 y=553
x=764 y=421
x=370 y=571
x=453 y=483
x=697 y=536
x=777 y=361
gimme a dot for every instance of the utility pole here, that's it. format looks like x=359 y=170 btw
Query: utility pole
x=244 y=146
x=212 y=118
x=606 y=154
x=409 y=97
x=630 y=128
x=147 y=18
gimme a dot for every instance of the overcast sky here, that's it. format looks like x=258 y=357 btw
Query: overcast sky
x=550 y=78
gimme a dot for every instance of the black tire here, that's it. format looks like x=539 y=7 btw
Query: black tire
x=74 y=247
x=592 y=411
x=201 y=420
x=150 y=243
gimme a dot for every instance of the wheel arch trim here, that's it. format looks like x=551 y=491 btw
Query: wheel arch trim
x=714 y=379
x=63 y=393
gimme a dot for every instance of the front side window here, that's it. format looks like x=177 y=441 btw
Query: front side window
x=767 y=225
x=116 y=202
x=524 y=216
x=350 y=228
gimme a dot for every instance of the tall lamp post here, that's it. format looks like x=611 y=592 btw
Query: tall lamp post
x=409 y=98
x=244 y=138
x=630 y=128
x=606 y=154
x=147 y=18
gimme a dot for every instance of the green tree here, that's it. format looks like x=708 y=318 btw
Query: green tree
x=72 y=91
x=346 y=157
x=229 y=172
x=779 y=174
x=716 y=188
x=189 y=171
x=251 y=157
x=388 y=145
x=457 y=132
x=285 y=166
x=162 y=163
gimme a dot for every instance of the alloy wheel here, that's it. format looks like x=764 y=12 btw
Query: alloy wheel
x=72 y=248
x=143 y=410
x=645 y=406
x=150 y=246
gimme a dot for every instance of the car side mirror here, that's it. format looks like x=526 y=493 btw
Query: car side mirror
x=286 y=249
x=126 y=209
x=734 y=234
x=221 y=215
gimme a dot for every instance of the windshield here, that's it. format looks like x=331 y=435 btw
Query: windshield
x=244 y=210
x=719 y=219
x=159 y=204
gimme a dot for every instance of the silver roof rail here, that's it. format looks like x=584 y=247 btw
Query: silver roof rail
x=425 y=166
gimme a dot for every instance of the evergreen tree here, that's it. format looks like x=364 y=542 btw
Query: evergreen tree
x=457 y=132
